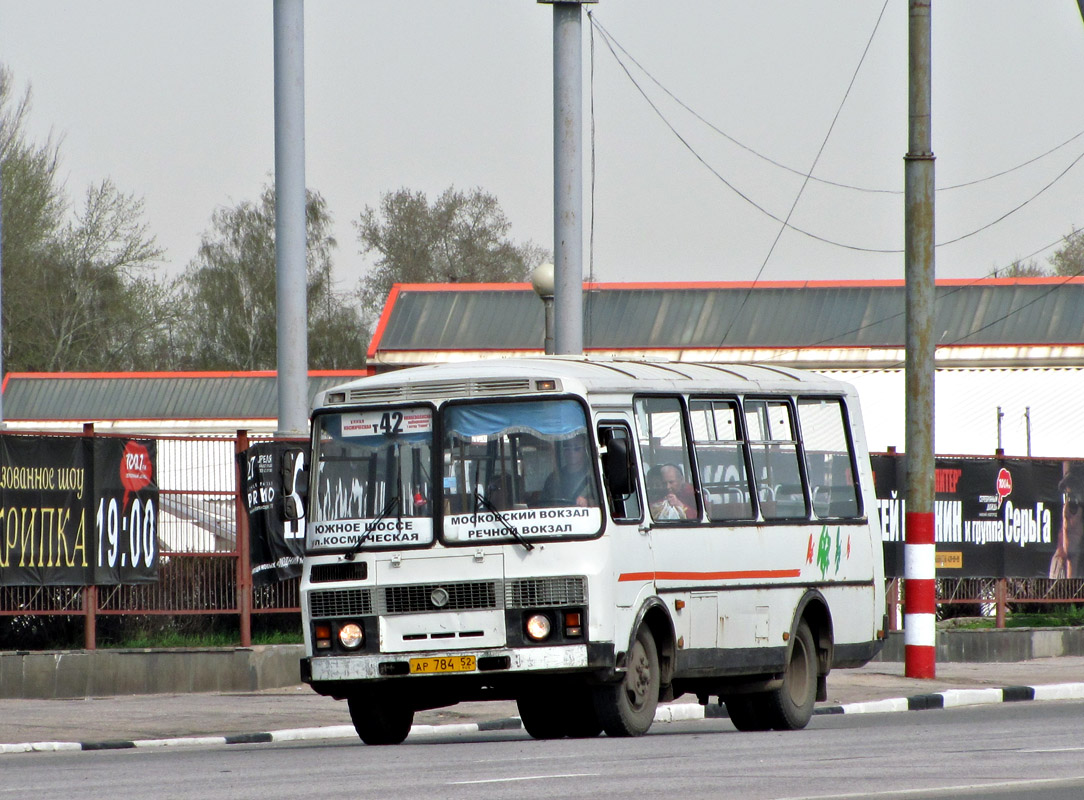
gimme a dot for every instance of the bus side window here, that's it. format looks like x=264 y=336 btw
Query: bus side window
x=774 y=448
x=828 y=456
x=660 y=429
x=721 y=458
x=619 y=472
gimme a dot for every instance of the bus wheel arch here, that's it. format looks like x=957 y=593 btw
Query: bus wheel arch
x=656 y=617
x=626 y=707
x=813 y=608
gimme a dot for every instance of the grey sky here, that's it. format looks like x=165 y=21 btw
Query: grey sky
x=173 y=102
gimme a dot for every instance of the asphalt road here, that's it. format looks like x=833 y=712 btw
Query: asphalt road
x=1011 y=750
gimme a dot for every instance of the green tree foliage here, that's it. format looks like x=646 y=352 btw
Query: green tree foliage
x=1068 y=260
x=33 y=203
x=1020 y=269
x=77 y=293
x=94 y=303
x=461 y=237
x=228 y=297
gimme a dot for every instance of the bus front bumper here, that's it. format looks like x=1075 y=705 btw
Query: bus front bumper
x=566 y=658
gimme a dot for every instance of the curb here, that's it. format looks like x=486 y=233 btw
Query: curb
x=680 y=712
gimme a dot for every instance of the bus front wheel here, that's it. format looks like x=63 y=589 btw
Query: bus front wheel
x=380 y=720
x=627 y=708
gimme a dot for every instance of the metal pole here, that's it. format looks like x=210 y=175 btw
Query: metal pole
x=1027 y=411
x=2 y=295
x=1000 y=417
x=243 y=575
x=920 y=598
x=567 y=177
x=290 y=245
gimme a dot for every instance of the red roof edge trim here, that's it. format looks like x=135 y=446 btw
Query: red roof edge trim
x=314 y=373
x=659 y=285
x=385 y=315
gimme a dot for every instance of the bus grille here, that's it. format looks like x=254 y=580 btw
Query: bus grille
x=345 y=571
x=340 y=602
x=460 y=597
x=424 y=391
x=534 y=592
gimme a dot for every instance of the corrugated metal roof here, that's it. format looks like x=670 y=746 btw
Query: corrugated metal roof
x=666 y=316
x=154 y=396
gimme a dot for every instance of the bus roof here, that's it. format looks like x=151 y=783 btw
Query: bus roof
x=588 y=374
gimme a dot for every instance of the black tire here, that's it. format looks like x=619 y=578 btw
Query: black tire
x=561 y=712
x=747 y=712
x=380 y=720
x=790 y=707
x=543 y=717
x=582 y=721
x=628 y=708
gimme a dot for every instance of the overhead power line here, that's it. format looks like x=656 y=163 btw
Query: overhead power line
x=613 y=46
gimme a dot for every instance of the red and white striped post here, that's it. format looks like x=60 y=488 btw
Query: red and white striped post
x=920 y=597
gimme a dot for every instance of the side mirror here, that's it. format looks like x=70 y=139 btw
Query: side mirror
x=295 y=483
x=618 y=466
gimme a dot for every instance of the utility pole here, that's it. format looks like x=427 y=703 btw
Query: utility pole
x=290 y=246
x=920 y=601
x=568 y=174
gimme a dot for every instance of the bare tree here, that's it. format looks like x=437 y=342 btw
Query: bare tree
x=229 y=300
x=460 y=237
x=1068 y=260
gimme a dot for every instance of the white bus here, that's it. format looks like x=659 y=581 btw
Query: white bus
x=589 y=538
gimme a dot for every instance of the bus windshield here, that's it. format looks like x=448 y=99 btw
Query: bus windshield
x=371 y=480
x=518 y=470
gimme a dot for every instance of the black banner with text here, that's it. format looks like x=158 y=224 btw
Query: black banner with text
x=993 y=517
x=276 y=544
x=77 y=511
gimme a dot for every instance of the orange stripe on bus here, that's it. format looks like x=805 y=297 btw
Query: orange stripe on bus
x=710 y=576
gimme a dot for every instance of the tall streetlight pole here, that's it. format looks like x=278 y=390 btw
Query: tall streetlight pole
x=920 y=599
x=290 y=245
x=568 y=175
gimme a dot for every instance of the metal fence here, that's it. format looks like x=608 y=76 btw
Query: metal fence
x=203 y=564
x=990 y=597
x=204 y=558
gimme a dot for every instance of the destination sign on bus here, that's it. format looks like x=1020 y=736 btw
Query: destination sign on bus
x=388 y=532
x=387 y=423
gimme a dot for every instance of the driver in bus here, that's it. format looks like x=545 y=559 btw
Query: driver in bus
x=570 y=483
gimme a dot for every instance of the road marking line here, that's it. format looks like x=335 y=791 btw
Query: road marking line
x=527 y=778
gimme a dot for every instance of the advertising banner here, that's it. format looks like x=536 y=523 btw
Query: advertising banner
x=993 y=518
x=125 y=511
x=77 y=511
x=276 y=545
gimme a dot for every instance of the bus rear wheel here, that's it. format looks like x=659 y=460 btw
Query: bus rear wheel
x=747 y=713
x=628 y=708
x=790 y=707
x=380 y=720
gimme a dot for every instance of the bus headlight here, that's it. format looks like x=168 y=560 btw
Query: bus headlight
x=538 y=627
x=351 y=636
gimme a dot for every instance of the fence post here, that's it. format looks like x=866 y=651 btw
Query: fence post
x=893 y=594
x=244 y=555
x=90 y=592
x=90 y=617
x=1001 y=595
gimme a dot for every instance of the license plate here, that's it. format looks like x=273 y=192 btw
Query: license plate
x=420 y=666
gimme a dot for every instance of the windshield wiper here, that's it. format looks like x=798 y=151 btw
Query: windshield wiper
x=479 y=498
x=353 y=551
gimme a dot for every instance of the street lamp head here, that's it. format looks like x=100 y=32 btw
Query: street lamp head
x=542 y=280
